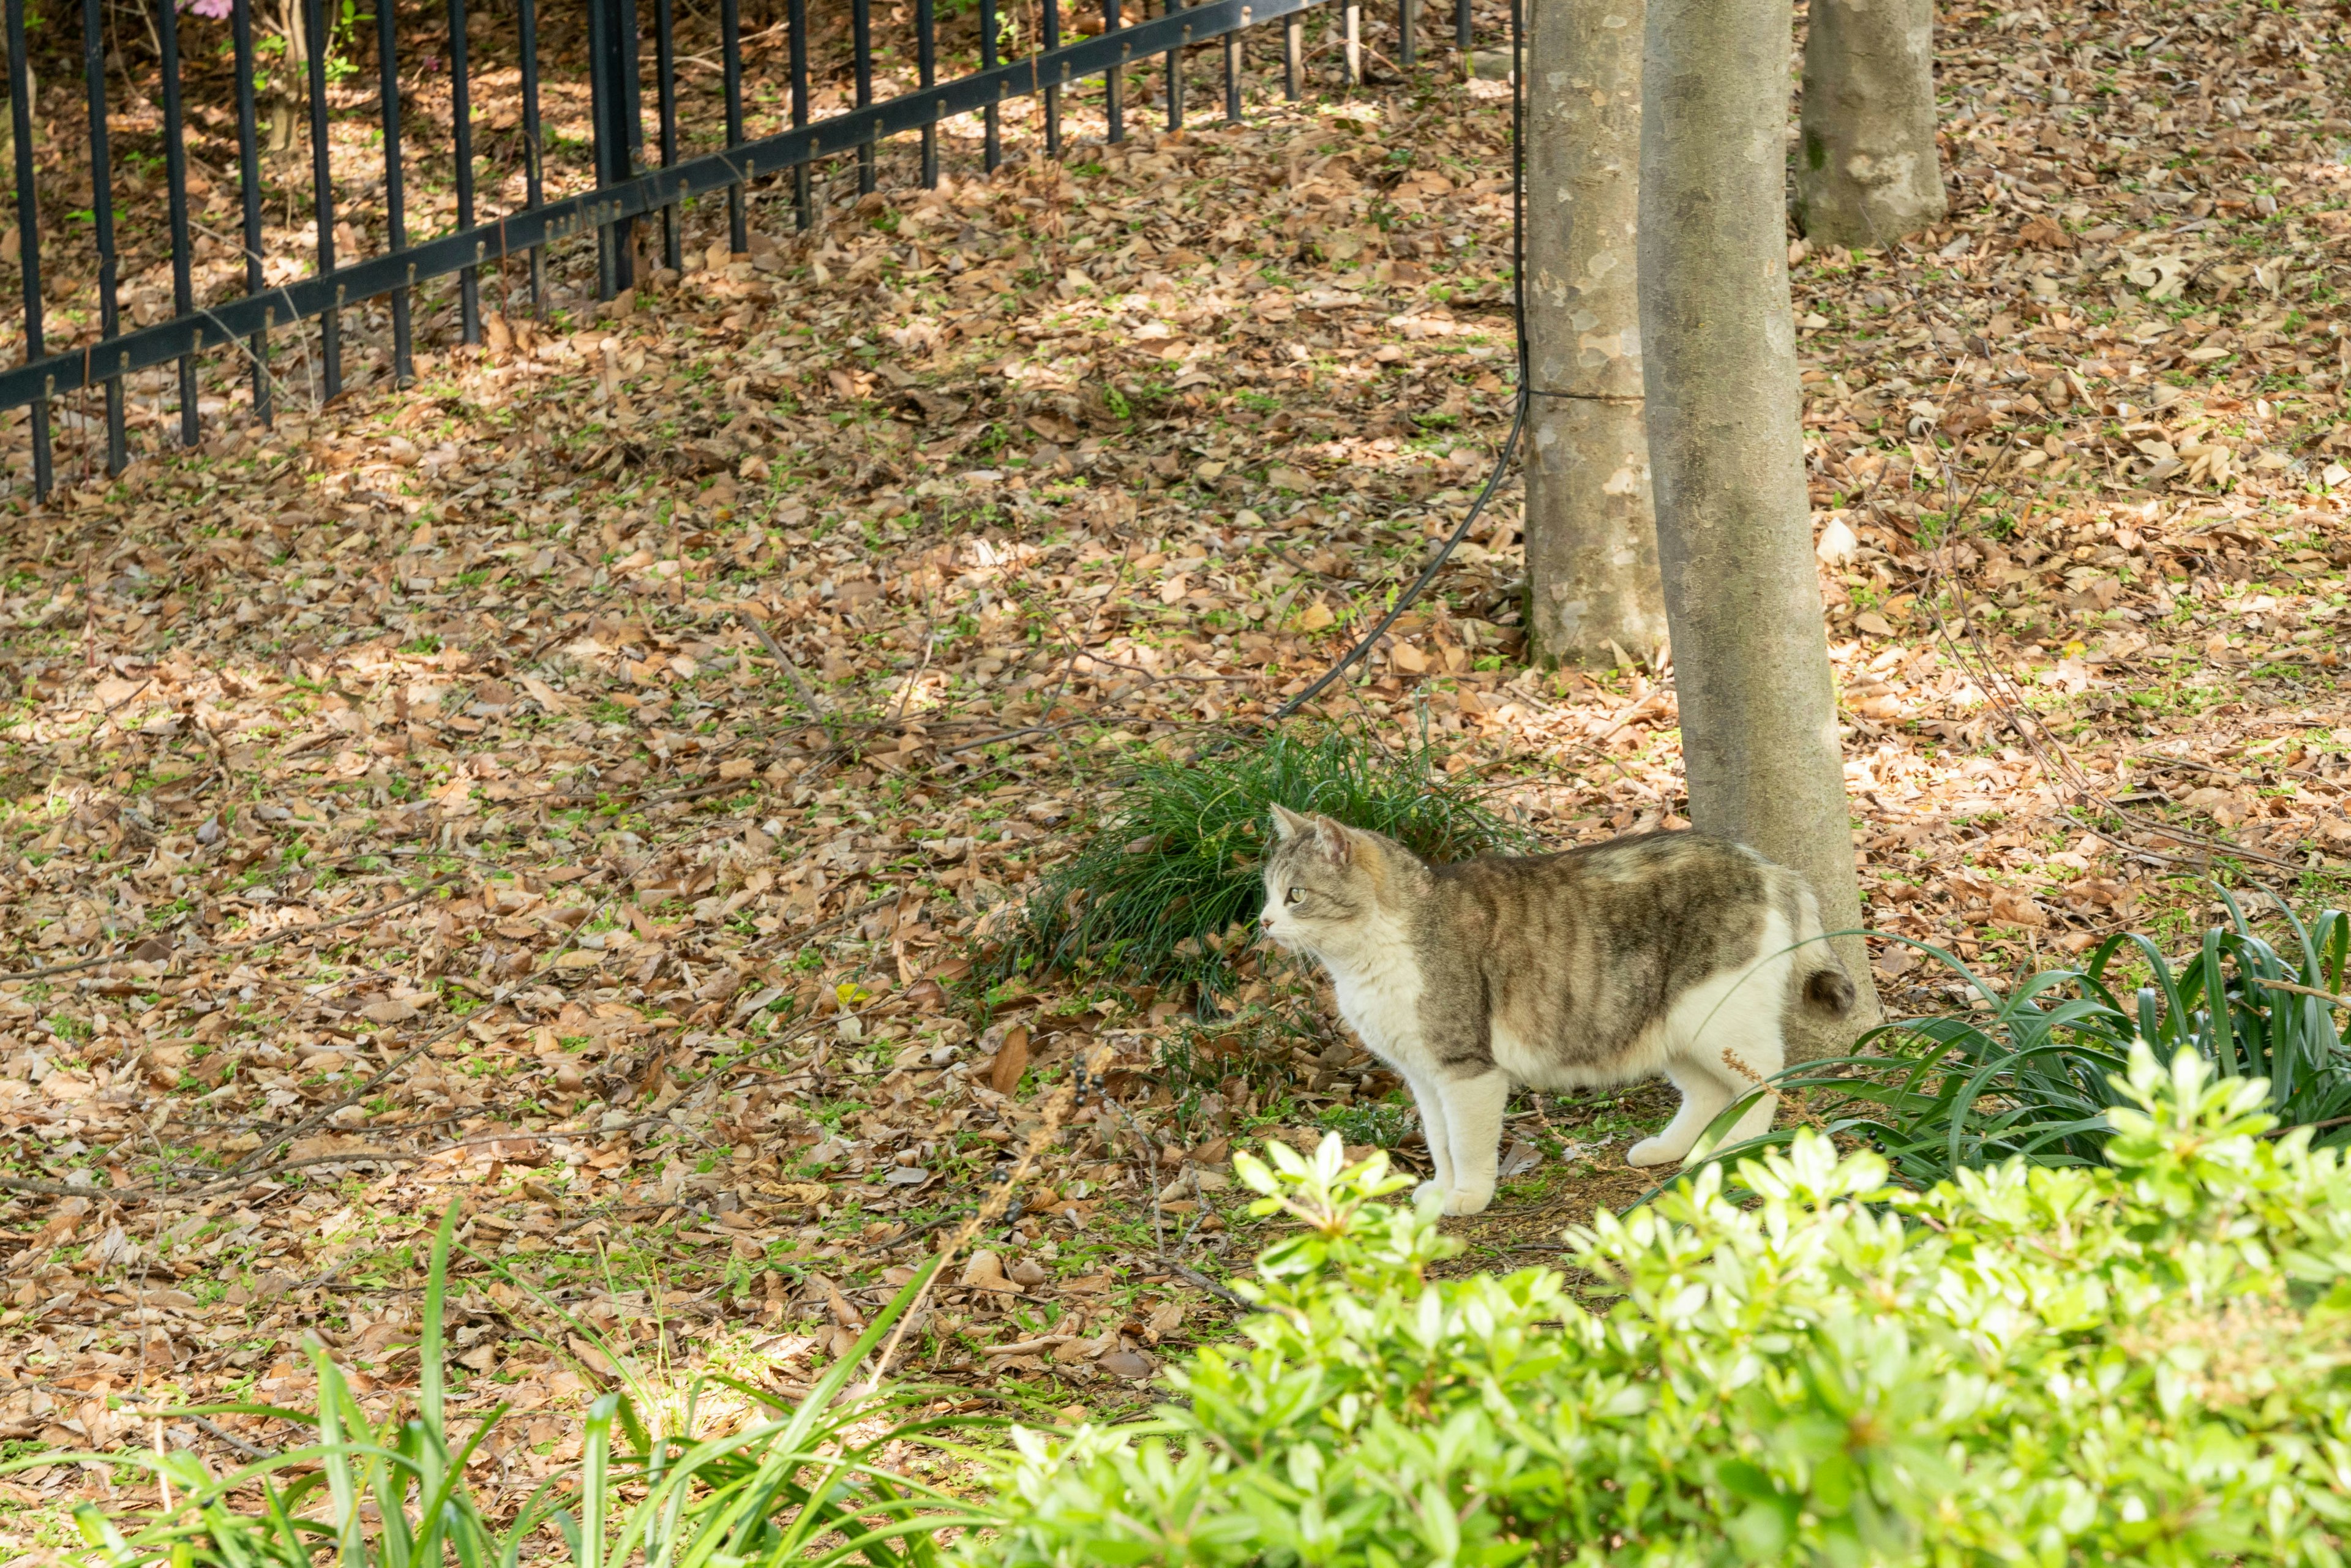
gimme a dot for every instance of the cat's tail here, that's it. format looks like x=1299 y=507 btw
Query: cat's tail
x=1821 y=986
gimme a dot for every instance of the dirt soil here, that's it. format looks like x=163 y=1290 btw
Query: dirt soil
x=579 y=788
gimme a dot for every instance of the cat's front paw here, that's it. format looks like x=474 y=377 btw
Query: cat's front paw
x=1467 y=1200
x=1651 y=1152
x=1425 y=1190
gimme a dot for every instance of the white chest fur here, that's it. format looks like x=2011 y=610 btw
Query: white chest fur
x=1378 y=986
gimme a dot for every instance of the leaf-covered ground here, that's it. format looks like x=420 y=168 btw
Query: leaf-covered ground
x=581 y=788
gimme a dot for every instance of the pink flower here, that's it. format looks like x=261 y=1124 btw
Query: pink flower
x=211 y=10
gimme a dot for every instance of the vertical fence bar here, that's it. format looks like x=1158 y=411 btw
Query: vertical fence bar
x=926 y=56
x=796 y=14
x=1175 y=67
x=861 y=28
x=1463 y=33
x=730 y=30
x=1114 y=79
x=1352 y=12
x=28 y=229
x=534 y=190
x=1407 y=32
x=1293 y=56
x=461 y=128
x=102 y=188
x=991 y=121
x=630 y=71
x=322 y=181
x=1233 y=76
x=1053 y=88
x=600 y=92
x=612 y=73
x=249 y=163
x=175 y=176
x=665 y=93
x=395 y=186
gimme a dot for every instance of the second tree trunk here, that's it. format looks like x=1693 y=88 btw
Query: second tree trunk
x=1867 y=173
x=1592 y=543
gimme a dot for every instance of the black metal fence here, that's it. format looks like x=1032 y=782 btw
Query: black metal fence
x=304 y=60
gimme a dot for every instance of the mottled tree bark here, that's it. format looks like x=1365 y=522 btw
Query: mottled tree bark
x=1758 y=721
x=1866 y=172
x=1591 y=542
x=288 y=99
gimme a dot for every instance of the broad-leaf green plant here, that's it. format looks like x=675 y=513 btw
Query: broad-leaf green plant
x=2134 y=1362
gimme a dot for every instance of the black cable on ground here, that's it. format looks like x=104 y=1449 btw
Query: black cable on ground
x=1519 y=403
x=1429 y=573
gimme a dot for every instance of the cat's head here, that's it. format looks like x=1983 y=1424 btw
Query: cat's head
x=1323 y=881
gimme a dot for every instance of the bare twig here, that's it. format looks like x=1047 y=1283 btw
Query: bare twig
x=1057 y=1108
x=1017 y=734
x=1028 y=1346
x=2304 y=991
x=906 y=692
x=800 y=686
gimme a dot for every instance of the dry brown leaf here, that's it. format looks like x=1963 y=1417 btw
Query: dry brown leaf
x=1010 y=1061
x=590 y=1355
x=843 y=1313
x=984 y=1271
x=2017 y=909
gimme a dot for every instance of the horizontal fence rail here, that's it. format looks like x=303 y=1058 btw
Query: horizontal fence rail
x=624 y=190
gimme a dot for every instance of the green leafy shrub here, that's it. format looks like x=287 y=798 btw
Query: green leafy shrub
x=2138 y=1362
x=2039 y=1073
x=803 y=1487
x=1176 y=865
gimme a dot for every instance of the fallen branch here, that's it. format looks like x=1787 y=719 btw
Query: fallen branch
x=1029 y=1346
x=1223 y=1293
x=2304 y=991
x=800 y=686
x=1056 y=1109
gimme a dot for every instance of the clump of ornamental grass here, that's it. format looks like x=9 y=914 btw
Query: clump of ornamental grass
x=1168 y=881
x=2039 y=1071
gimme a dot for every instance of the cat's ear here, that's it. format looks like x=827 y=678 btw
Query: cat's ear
x=1334 y=840
x=1287 y=824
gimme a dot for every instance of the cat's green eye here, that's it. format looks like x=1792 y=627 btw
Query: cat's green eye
x=1293 y=896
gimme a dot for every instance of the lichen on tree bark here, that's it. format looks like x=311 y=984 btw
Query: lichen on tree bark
x=1866 y=170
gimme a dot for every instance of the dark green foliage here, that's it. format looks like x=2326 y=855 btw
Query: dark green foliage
x=2035 y=1074
x=1174 y=869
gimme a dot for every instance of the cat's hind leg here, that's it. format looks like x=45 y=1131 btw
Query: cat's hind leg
x=1704 y=1095
x=1745 y=1053
x=1734 y=1050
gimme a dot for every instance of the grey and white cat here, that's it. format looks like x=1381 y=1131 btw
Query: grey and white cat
x=1673 y=953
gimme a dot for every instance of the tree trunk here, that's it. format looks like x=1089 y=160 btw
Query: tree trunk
x=288 y=99
x=1759 y=720
x=1867 y=171
x=1592 y=541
